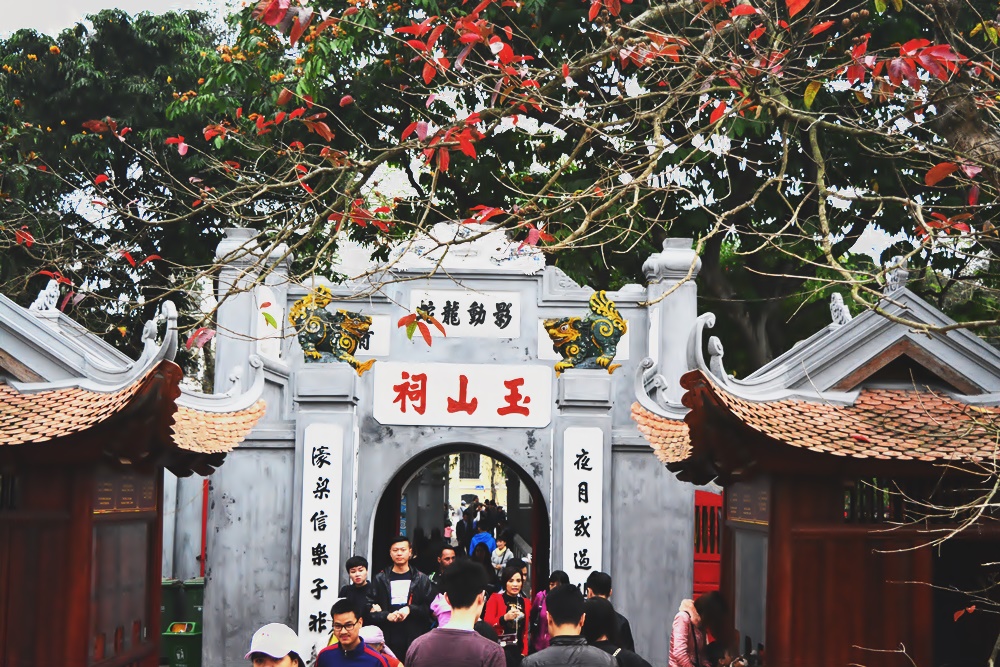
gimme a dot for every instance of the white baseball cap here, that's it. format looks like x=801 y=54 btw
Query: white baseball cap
x=276 y=640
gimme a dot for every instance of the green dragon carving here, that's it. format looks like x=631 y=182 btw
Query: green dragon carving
x=323 y=334
x=590 y=341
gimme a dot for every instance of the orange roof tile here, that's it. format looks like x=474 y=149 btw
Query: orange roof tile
x=40 y=416
x=895 y=424
x=214 y=432
x=669 y=438
x=45 y=415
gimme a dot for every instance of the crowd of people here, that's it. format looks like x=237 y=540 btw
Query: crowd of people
x=480 y=613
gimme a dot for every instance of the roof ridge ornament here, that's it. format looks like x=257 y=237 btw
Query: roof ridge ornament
x=896 y=275
x=715 y=354
x=650 y=389
x=839 y=312
x=47 y=299
x=696 y=355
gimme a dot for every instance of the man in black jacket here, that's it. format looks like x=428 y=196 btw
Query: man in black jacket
x=600 y=629
x=404 y=596
x=360 y=591
x=599 y=586
x=564 y=612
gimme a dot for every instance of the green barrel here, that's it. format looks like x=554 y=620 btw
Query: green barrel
x=182 y=644
x=170 y=592
x=194 y=599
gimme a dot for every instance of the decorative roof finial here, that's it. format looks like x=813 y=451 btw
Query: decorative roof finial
x=838 y=310
x=715 y=354
x=896 y=275
x=48 y=298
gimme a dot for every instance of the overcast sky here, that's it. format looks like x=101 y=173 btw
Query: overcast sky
x=52 y=16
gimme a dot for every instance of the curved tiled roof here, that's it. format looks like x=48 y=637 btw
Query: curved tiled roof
x=214 y=432
x=42 y=414
x=39 y=416
x=669 y=438
x=887 y=424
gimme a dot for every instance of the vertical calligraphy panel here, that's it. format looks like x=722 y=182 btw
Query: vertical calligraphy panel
x=322 y=466
x=583 y=501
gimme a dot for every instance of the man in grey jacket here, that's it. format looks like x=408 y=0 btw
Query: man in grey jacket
x=564 y=612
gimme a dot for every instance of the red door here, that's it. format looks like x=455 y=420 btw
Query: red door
x=707 y=541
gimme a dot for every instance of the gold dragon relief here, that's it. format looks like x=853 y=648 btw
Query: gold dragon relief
x=591 y=340
x=329 y=336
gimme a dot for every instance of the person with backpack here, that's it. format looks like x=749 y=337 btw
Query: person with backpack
x=600 y=629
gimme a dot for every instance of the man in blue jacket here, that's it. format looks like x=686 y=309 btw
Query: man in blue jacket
x=350 y=649
x=482 y=535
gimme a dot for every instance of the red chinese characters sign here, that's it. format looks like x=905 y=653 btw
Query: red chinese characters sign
x=463 y=394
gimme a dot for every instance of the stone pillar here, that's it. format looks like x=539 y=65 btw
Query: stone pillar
x=326 y=397
x=671 y=272
x=581 y=474
x=241 y=326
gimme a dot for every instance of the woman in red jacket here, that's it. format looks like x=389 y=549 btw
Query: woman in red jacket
x=508 y=611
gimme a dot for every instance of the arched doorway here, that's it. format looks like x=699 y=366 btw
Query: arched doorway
x=403 y=507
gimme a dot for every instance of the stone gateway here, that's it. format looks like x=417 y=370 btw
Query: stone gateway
x=333 y=469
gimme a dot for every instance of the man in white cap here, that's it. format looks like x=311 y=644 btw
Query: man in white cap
x=275 y=645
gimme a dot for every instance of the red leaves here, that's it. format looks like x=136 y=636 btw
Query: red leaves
x=304 y=172
x=23 y=236
x=956 y=223
x=96 y=126
x=346 y=100
x=101 y=178
x=420 y=127
x=271 y=12
x=595 y=9
x=536 y=234
x=200 y=337
x=299 y=24
x=755 y=33
x=319 y=127
x=717 y=114
x=961 y=612
x=429 y=72
x=284 y=97
x=361 y=216
x=213 y=131
x=743 y=10
x=263 y=125
x=416 y=322
x=418 y=29
x=795 y=6
x=820 y=27
x=131 y=260
x=58 y=277
x=939 y=172
x=178 y=141
x=483 y=213
x=974 y=195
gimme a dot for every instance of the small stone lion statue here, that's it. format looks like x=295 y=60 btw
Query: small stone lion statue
x=590 y=341
x=321 y=332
